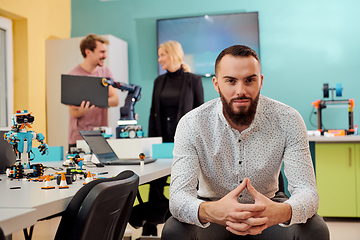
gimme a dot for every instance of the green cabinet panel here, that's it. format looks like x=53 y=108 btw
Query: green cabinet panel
x=357 y=166
x=336 y=179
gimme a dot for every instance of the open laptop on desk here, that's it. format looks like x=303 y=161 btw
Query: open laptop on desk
x=104 y=153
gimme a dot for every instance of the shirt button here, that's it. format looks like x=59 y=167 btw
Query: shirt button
x=239 y=140
x=168 y=119
x=240 y=162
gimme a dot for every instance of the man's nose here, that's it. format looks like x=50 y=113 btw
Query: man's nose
x=240 y=89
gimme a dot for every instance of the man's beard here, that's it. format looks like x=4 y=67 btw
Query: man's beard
x=101 y=64
x=242 y=117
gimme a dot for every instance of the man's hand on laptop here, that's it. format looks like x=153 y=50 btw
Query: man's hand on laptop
x=79 y=111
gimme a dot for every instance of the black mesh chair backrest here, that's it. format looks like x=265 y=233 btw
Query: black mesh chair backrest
x=2 y=236
x=101 y=209
x=281 y=183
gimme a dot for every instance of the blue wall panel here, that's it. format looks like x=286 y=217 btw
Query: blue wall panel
x=303 y=44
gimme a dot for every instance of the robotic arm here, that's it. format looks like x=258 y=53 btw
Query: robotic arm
x=127 y=112
x=128 y=127
x=43 y=147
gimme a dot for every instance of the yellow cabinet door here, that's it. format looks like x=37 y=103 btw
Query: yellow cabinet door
x=336 y=179
x=357 y=166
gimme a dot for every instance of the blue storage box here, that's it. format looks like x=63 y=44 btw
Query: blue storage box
x=162 y=150
x=55 y=154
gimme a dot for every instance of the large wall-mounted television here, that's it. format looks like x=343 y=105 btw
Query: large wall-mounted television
x=204 y=37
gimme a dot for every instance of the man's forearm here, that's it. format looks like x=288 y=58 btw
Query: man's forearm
x=75 y=113
x=113 y=101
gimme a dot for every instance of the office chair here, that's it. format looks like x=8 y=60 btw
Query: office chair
x=100 y=210
x=281 y=183
x=156 y=211
x=2 y=236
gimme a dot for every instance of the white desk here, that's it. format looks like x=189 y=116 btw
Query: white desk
x=339 y=139
x=16 y=219
x=49 y=202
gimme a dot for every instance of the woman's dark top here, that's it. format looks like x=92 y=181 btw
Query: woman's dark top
x=169 y=101
x=174 y=94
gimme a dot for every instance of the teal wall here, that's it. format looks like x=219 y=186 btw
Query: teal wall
x=303 y=44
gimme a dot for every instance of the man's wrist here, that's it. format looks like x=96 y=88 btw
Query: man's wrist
x=203 y=214
x=287 y=213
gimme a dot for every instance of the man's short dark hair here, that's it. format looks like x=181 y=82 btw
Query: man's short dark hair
x=236 y=51
x=89 y=42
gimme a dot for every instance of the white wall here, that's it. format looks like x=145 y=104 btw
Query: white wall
x=6 y=116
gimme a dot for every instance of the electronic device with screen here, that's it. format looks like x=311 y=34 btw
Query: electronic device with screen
x=204 y=37
x=7 y=155
x=75 y=89
x=104 y=153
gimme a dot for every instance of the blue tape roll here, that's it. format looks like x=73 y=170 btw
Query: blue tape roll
x=338 y=89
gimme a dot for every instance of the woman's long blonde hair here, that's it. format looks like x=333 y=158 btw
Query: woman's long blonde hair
x=176 y=53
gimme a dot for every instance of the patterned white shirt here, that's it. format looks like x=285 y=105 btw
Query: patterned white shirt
x=209 y=152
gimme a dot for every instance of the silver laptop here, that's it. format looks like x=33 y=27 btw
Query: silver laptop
x=104 y=153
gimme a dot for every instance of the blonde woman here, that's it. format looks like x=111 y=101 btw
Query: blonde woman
x=175 y=93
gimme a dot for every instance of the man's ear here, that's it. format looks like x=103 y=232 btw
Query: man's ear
x=262 y=79
x=216 y=84
x=87 y=51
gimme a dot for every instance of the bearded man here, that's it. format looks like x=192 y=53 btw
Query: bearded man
x=227 y=159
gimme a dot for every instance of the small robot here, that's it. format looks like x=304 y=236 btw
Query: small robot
x=77 y=160
x=21 y=139
x=74 y=157
x=142 y=156
x=142 y=159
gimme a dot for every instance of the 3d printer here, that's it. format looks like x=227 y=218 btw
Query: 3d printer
x=321 y=104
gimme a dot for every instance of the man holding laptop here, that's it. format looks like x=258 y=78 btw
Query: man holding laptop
x=87 y=116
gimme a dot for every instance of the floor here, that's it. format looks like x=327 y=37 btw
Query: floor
x=340 y=229
x=344 y=228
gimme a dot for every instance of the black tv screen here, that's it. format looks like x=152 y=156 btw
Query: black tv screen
x=204 y=37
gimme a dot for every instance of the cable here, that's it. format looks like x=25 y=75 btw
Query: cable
x=33 y=155
x=91 y=165
x=312 y=112
x=53 y=168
